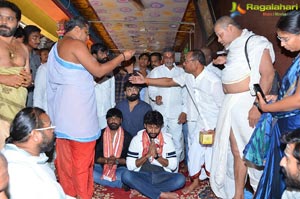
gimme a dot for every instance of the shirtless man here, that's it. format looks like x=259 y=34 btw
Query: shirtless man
x=72 y=106
x=238 y=114
x=14 y=68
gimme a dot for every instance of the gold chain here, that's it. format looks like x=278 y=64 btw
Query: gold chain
x=12 y=52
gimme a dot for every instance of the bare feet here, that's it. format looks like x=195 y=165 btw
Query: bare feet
x=192 y=186
x=169 y=195
x=133 y=193
x=183 y=167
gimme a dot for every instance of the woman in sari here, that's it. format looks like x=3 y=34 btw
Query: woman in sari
x=280 y=117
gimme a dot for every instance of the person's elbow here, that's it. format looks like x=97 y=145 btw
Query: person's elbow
x=130 y=163
x=172 y=164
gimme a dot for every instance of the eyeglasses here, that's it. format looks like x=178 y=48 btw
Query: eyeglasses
x=283 y=39
x=45 y=128
x=187 y=61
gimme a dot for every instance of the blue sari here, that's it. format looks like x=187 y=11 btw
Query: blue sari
x=264 y=147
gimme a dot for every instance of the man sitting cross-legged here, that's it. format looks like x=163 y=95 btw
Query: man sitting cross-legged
x=151 y=161
x=111 y=151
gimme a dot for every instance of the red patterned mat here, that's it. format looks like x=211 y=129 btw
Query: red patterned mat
x=202 y=192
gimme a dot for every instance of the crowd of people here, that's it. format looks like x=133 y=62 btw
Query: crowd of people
x=132 y=123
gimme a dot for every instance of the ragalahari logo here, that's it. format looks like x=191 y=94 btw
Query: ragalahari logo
x=236 y=10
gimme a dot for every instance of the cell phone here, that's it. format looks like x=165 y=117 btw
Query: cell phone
x=257 y=88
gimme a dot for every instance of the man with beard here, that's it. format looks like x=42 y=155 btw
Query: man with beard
x=14 y=68
x=155 y=59
x=204 y=102
x=31 y=134
x=105 y=84
x=171 y=101
x=151 y=161
x=291 y=165
x=111 y=151
x=133 y=109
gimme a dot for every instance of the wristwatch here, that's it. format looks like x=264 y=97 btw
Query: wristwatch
x=256 y=104
x=157 y=156
x=117 y=161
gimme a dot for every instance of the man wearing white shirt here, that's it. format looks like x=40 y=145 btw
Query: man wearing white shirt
x=170 y=102
x=31 y=135
x=104 y=87
x=39 y=95
x=206 y=93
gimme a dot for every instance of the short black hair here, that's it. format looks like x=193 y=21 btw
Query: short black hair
x=293 y=138
x=114 y=112
x=199 y=56
x=28 y=30
x=145 y=54
x=76 y=21
x=44 y=49
x=19 y=32
x=13 y=7
x=156 y=54
x=128 y=84
x=154 y=117
x=98 y=47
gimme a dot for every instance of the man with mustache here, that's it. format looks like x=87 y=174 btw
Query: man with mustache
x=171 y=101
x=31 y=135
x=106 y=84
x=133 y=109
x=111 y=151
x=152 y=161
x=291 y=165
x=14 y=68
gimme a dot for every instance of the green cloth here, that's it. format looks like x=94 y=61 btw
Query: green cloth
x=12 y=100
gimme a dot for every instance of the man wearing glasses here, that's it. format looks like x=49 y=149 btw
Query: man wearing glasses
x=31 y=134
x=239 y=113
x=206 y=94
x=170 y=102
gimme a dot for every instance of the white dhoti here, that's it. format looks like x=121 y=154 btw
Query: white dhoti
x=172 y=127
x=233 y=115
x=199 y=156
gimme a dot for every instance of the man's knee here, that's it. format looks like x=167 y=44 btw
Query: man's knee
x=179 y=181
x=126 y=177
x=233 y=146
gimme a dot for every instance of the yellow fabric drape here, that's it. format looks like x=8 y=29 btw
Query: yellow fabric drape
x=12 y=100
